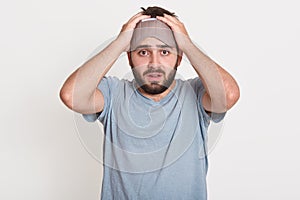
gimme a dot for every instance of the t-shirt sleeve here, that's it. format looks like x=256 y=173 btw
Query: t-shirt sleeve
x=106 y=86
x=199 y=89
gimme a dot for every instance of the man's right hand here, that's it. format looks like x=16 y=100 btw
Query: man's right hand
x=126 y=32
x=80 y=92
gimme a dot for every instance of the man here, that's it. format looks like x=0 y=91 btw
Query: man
x=155 y=125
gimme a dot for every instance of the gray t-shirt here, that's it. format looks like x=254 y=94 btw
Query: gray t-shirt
x=154 y=150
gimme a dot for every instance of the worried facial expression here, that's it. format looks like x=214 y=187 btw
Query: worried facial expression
x=154 y=65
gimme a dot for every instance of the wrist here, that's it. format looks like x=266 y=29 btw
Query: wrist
x=123 y=40
x=186 y=46
x=121 y=44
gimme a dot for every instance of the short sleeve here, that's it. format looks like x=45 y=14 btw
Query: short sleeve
x=106 y=86
x=199 y=89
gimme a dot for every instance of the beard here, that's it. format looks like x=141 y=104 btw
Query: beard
x=154 y=87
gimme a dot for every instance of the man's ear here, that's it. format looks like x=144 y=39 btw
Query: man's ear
x=129 y=58
x=179 y=58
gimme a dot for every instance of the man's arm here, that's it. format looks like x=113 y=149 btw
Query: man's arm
x=222 y=91
x=80 y=92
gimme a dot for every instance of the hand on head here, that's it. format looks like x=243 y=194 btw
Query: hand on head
x=178 y=28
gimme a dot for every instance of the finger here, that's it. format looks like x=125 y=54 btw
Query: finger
x=172 y=18
x=174 y=25
x=165 y=20
x=131 y=24
x=138 y=16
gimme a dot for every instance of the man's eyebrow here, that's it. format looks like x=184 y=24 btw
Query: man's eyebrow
x=143 y=46
x=164 y=46
x=150 y=46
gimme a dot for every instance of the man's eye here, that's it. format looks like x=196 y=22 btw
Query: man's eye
x=165 y=52
x=143 y=53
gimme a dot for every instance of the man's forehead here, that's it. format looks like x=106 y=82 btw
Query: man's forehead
x=153 y=42
x=152 y=29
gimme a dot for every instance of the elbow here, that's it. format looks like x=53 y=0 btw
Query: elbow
x=232 y=97
x=66 y=97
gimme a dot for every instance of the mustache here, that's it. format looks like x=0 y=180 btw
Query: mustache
x=152 y=70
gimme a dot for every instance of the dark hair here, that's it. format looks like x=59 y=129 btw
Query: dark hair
x=156 y=11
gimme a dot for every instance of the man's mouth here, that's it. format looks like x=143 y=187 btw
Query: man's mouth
x=154 y=76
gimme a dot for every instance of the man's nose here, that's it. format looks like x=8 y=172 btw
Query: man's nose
x=154 y=59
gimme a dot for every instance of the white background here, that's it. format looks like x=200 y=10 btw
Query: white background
x=42 y=42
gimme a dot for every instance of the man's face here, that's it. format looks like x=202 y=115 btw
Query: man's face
x=154 y=65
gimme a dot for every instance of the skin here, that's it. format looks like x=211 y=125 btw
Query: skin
x=154 y=67
x=80 y=93
x=222 y=91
